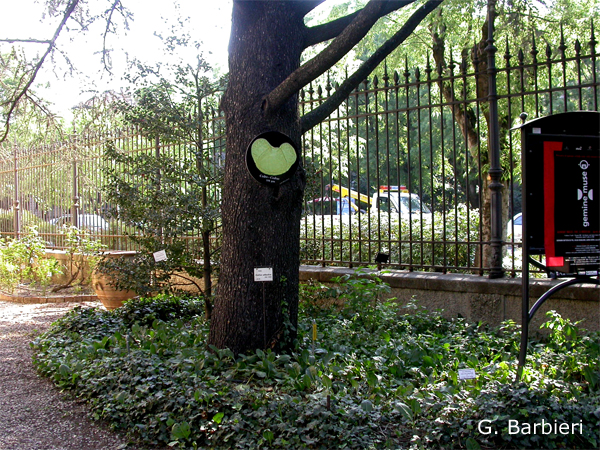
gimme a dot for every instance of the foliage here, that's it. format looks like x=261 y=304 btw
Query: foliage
x=375 y=377
x=359 y=292
x=157 y=196
x=28 y=220
x=145 y=311
x=29 y=117
x=445 y=240
x=171 y=193
x=442 y=51
x=23 y=260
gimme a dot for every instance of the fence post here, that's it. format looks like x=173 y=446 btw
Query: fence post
x=75 y=205
x=157 y=145
x=16 y=203
x=495 y=171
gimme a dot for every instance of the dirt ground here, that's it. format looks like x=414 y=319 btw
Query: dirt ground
x=34 y=415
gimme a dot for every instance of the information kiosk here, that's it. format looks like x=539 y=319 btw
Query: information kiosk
x=560 y=156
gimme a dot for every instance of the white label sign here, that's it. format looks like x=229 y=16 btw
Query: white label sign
x=160 y=256
x=263 y=274
x=466 y=374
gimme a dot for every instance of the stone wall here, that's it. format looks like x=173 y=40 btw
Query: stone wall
x=479 y=298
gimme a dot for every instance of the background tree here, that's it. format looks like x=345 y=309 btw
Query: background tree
x=31 y=116
x=261 y=224
x=170 y=193
x=80 y=17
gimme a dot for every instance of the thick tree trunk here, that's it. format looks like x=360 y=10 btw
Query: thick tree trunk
x=261 y=224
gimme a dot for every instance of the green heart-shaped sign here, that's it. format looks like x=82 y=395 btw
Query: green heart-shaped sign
x=273 y=160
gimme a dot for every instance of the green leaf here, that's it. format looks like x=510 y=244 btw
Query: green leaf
x=268 y=436
x=372 y=379
x=181 y=430
x=64 y=370
x=591 y=376
x=472 y=444
x=217 y=418
x=367 y=405
x=404 y=410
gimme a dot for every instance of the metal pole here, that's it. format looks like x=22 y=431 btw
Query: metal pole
x=525 y=260
x=75 y=205
x=16 y=204
x=495 y=171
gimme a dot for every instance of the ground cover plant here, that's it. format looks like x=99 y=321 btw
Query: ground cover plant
x=365 y=374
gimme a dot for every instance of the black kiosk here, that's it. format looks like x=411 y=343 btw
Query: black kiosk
x=560 y=157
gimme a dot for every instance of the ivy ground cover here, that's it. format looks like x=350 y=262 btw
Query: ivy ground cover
x=366 y=375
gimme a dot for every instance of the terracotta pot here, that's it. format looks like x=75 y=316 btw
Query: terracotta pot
x=111 y=297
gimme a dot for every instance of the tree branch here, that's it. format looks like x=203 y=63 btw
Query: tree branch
x=462 y=116
x=341 y=45
x=70 y=8
x=317 y=115
x=26 y=41
x=115 y=6
x=321 y=33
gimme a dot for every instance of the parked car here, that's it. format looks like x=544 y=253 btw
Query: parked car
x=514 y=229
x=329 y=210
x=392 y=200
x=91 y=222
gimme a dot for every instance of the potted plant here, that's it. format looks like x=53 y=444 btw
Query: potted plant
x=105 y=278
x=85 y=255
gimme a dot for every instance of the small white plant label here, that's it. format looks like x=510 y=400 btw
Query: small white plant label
x=263 y=274
x=160 y=256
x=466 y=374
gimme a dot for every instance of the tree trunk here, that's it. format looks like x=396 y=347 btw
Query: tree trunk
x=465 y=119
x=261 y=224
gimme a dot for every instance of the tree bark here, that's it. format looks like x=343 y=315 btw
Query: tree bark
x=261 y=224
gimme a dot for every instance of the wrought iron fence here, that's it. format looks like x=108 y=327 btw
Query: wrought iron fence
x=62 y=184
x=427 y=130
x=422 y=129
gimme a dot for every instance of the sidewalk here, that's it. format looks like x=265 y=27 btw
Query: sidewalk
x=34 y=415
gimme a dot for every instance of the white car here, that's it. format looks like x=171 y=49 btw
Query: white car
x=91 y=222
x=514 y=229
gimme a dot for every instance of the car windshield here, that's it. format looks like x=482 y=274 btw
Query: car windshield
x=414 y=205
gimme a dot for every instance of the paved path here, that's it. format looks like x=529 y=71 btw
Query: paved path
x=34 y=415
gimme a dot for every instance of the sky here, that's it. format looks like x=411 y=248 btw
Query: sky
x=210 y=23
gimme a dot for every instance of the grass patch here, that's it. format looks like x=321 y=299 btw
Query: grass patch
x=376 y=377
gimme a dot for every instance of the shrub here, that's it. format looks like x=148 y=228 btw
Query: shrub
x=28 y=220
x=23 y=261
x=409 y=242
x=156 y=197
x=164 y=307
x=82 y=255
